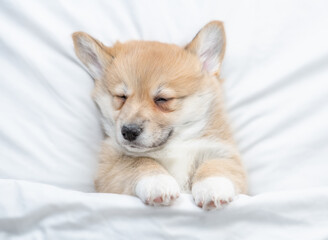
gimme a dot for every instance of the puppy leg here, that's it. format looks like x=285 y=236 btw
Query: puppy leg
x=217 y=181
x=142 y=177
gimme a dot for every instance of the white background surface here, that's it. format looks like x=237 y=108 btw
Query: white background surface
x=276 y=85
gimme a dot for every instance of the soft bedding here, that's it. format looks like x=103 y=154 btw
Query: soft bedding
x=39 y=211
x=276 y=92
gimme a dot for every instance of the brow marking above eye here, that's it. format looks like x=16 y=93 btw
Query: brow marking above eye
x=121 y=89
x=161 y=91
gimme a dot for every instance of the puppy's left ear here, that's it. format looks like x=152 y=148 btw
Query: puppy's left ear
x=92 y=53
x=209 y=46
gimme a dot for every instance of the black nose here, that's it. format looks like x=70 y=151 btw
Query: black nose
x=130 y=132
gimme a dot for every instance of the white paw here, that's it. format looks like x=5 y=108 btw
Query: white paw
x=158 y=189
x=213 y=192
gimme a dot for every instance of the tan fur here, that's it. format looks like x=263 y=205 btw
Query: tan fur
x=229 y=168
x=119 y=174
x=144 y=71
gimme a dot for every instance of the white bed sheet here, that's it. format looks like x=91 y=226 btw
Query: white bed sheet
x=39 y=211
x=276 y=71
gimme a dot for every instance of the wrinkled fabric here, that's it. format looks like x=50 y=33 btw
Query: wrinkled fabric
x=39 y=211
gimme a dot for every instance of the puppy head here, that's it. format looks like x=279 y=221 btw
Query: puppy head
x=151 y=92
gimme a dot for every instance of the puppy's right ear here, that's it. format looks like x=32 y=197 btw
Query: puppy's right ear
x=92 y=53
x=209 y=46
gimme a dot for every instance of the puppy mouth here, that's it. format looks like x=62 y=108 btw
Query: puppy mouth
x=135 y=147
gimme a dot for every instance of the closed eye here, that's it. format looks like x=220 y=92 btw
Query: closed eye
x=161 y=100
x=123 y=97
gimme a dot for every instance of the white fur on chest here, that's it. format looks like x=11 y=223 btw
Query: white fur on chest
x=181 y=158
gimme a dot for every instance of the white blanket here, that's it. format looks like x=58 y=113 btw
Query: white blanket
x=38 y=211
x=276 y=86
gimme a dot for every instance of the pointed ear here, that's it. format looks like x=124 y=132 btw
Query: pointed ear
x=92 y=53
x=209 y=46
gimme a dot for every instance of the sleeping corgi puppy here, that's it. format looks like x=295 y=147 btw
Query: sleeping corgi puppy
x=164 y=120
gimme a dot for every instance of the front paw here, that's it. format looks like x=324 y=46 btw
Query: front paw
x=213 y=192
x=158 y=190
